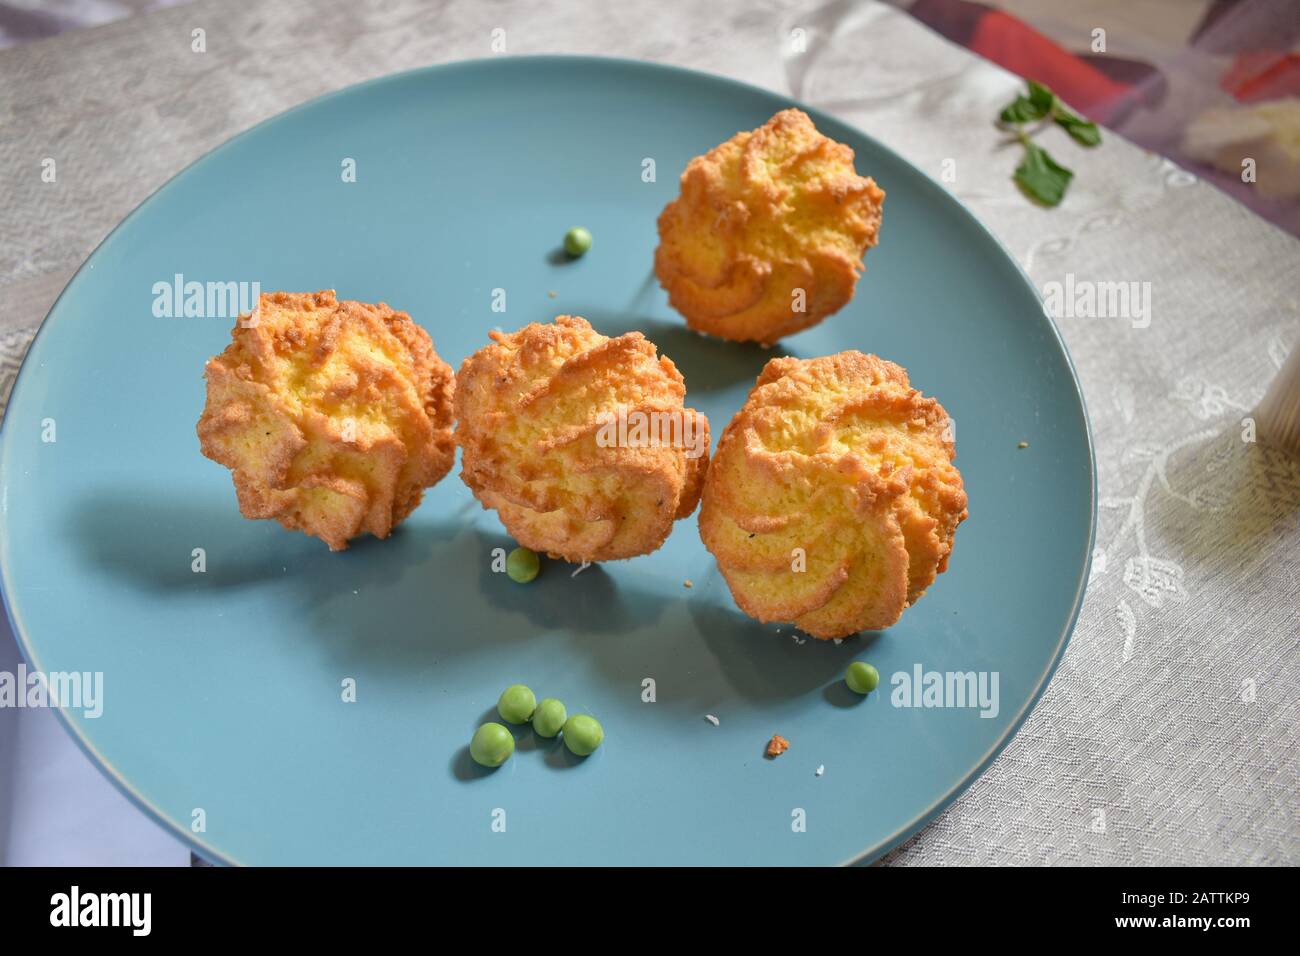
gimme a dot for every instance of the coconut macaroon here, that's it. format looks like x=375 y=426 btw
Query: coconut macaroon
x=580 y=442
x=768 y=234
x=332 y=416
x=832 y=500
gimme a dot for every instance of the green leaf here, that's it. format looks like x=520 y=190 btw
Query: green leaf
x=1042 y=97
x=1081 y=130
x=1022 y=110
x=1042 y=178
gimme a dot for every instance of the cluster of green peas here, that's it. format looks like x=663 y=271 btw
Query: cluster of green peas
x=493 y=744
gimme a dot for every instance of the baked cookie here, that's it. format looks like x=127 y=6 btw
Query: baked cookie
x=332 y=416
x=768 y=234
x=832 y=500
x=580 y=442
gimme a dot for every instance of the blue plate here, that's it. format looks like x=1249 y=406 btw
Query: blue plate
x=222 y=691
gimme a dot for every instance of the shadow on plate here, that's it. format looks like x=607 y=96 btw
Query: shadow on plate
x=406 y=607
x=838 y=694
x=563 y=596
x=560 y=757
x=765 y=662
x=708 y=364
x=464 y=768
x=147 y=538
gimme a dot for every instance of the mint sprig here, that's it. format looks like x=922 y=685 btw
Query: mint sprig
x=1040 y=176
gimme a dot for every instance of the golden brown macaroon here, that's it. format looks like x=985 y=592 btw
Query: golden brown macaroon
x=768 y=234
x=333 y=416
x=580 y=442
x=832 y=499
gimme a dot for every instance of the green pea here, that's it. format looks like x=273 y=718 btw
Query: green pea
x=492 y=745
x=516 y=704
x=522 y=565
x=549 y=718
x=583 y=734
x=862 y=678
x=577 y=241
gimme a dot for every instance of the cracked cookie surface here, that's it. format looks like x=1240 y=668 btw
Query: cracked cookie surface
x=333 y=416
x=832 y=499
x=768 y=233
x=537 y=414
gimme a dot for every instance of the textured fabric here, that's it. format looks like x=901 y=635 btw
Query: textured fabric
x=1168 y=733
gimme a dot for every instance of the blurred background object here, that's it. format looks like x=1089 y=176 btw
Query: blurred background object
x=24 y=20
x=1212 y=84
x=1278 y=414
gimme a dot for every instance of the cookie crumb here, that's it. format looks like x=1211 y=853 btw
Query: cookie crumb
x=1023 y=444
x=711 y=719
x=688 y=583
x=777 y=745
x=552 y=293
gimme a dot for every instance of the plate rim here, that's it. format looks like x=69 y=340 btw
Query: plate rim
x=869 y=854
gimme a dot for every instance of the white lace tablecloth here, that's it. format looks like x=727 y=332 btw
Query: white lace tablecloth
x=1168 y=734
